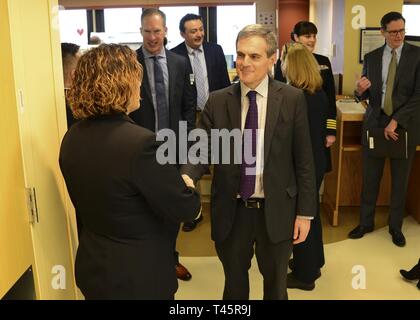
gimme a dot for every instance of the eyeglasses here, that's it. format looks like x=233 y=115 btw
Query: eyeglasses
x=393 y=33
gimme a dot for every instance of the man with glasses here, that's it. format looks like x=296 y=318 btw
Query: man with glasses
x=391 y=82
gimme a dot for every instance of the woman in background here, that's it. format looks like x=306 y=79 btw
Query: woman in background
x=302 y=71
x=305 y=32
x=127 y=201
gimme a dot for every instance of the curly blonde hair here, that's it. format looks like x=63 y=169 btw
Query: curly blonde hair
x=302 y=69
x=104 y=81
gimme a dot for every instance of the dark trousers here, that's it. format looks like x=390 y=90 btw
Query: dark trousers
x=174 y=230
x=249 y=233
x=372 y=174
x=308 y=256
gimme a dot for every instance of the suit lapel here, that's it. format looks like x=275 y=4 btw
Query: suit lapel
x=404 y=63
x=145 y=85
x=186 y=55
x=207 y=55
x=234 y=106
x=171 y=79
x=377 y=71
x=274 y=105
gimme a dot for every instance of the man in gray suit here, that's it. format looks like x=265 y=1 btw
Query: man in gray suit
x=391 y=82
x=266 y=199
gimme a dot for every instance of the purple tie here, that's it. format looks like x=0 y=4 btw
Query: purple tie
x=249 y=143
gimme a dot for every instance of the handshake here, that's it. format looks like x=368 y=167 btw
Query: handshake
x=190 y=183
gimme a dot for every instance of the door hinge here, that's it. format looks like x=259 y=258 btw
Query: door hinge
x=32 y=205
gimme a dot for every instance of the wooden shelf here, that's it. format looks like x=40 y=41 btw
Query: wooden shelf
x=352 y=147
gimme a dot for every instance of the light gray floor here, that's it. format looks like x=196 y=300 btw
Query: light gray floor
x=366 y=268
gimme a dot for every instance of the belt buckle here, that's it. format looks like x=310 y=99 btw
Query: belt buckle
x=252 y=204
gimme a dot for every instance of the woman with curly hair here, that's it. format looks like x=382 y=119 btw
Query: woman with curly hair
x=127 y=201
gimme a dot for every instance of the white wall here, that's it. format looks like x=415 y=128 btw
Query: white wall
x=321 y=13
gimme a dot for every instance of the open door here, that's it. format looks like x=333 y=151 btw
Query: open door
x=36 y=73
x=16 y=255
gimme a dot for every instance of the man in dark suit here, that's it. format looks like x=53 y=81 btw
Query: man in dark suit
x=254 y=201
x=166 y=94
x=207 y=68
x=391 y=82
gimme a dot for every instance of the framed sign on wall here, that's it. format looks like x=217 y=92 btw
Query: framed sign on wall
x=370 y=39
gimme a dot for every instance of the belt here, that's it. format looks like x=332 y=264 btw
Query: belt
x=253 y=203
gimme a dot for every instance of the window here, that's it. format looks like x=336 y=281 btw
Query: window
x=73 y=27
x=230 y=20
x=411 y=13
x=122 y=25
x=173 y=16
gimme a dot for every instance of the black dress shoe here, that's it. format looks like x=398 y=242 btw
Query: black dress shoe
x=359 y=232
x=397 y=238
x=292 y=267
x=190 y=226
x=293 y=283
x=413 y=274
x=182 y=273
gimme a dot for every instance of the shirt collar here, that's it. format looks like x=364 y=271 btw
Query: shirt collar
x=398 y=50
x=191 y=50
x=147 y=54
x=262 y=88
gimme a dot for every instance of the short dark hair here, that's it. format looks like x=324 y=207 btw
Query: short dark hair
x=188 y=17
x=389 y=17
x=152 y=11
x=302 y=28
x=69 y=59
x=69 y=49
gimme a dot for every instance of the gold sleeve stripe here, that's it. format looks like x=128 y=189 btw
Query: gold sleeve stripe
x=331 y=124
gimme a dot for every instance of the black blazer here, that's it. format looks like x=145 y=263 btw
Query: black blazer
x=289 y=176
x=217 y=73
x=128 y=203
x=182 y=102
x=405 y=95
x=317 y=105
x=329 y=88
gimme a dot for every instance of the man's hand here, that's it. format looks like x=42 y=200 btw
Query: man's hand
x=301 y=231
x=389 y=131
x=188 y=181
x=362 y=85
x=329 y=140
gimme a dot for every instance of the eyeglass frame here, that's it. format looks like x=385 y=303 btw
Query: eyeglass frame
x=394 y=33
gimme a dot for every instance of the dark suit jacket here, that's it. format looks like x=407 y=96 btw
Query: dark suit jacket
x=329 y=88
x=182 y=104
x=317 y=104
x=289 y=177
x=217 y=73
x=128 y=203
x=405 y=95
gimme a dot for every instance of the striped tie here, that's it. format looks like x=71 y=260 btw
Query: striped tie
x=202 y=93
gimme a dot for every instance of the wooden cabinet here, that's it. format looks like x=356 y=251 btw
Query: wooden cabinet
x=342 y=186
